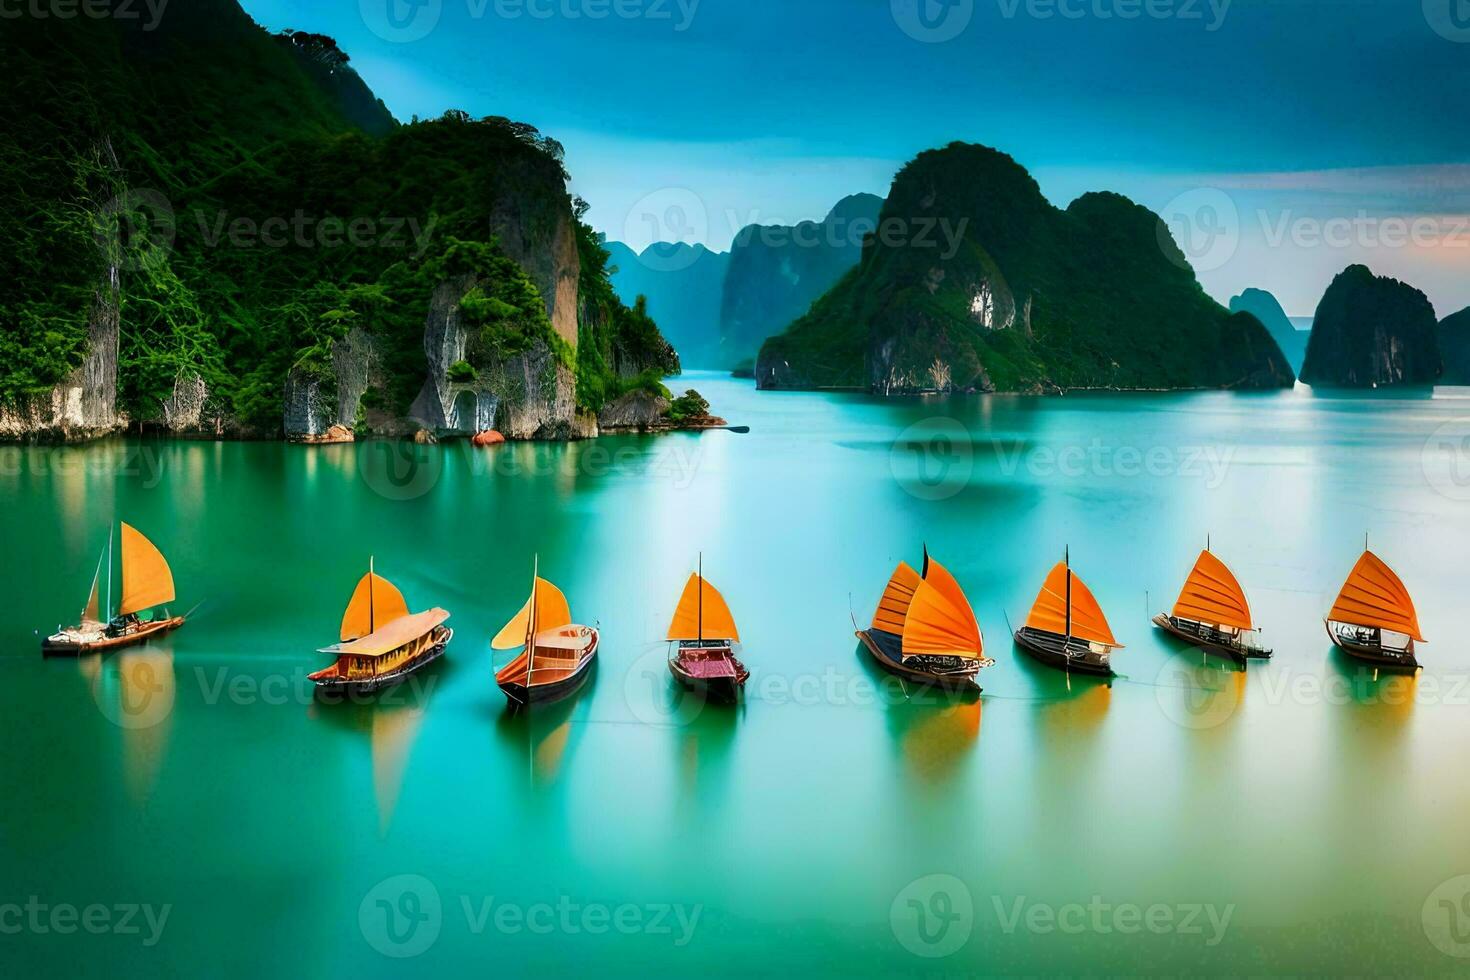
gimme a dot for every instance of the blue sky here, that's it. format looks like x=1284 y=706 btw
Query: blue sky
x=1288 y=137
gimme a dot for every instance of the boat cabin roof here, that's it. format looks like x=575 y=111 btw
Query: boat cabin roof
x=396 y=634
x=561 y=638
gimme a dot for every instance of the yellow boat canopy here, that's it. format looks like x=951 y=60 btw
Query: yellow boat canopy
x=893 y=606
x=1212 y=595
x=702 y=614
x=399 y=633
x=939 y=619
x=146 y=579
x=552 y=611
x=1374 y=596
x=1049 y=614
x=375 y=603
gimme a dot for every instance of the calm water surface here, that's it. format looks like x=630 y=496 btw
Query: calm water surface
x=1316 y=806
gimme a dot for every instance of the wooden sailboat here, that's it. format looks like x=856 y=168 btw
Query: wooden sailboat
x=1212 y=612
x=1374 y=618
x=381 y=642
x=145 y=582
x=924 y=629
x=1066 y=627
x=704 y=635
x=555 y=652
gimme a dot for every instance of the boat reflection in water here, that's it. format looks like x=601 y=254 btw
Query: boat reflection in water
x=391 y=725
x=545 y=736
x=135 y=690
x=934 y=727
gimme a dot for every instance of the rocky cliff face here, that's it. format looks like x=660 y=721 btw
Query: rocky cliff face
x=1371 y=331
x=1454 y=347
x=1265 y=308
x=84 y=405
x=976 y=282
x=314 y=405
x=776 y=272
x=531 y=395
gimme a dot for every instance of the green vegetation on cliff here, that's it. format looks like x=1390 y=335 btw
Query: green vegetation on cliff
x=258 y=203
x=974 y=281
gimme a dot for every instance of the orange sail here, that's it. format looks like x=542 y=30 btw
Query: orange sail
x=1212 y=595
x=375 y=603
x=146 y=579
x=702 y=614
x=893 y=607
x=551 y=609
x=936 y=624
x=1049 y=614
x=1374 y=596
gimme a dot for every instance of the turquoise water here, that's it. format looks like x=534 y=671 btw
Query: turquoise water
x=1303 y=816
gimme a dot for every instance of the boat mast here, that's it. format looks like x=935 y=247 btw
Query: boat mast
x=372 y=624
x=108 y=610
x=1067 y=558
x=699 y=620
x=531 y=625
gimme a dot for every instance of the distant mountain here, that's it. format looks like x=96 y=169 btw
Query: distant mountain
x=1370 y=331
x=778 y=271
x=979 y=283
x=683 y=284
x=1264 y=307
x=1454 y=347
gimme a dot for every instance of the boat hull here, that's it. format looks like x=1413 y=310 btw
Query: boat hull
x=1375 y=654
x=1239 y=654
x=722 y=688
x=1049 y=649
x=962 y=680
x=512 y=683
x=62 y=646
x=329 y=685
